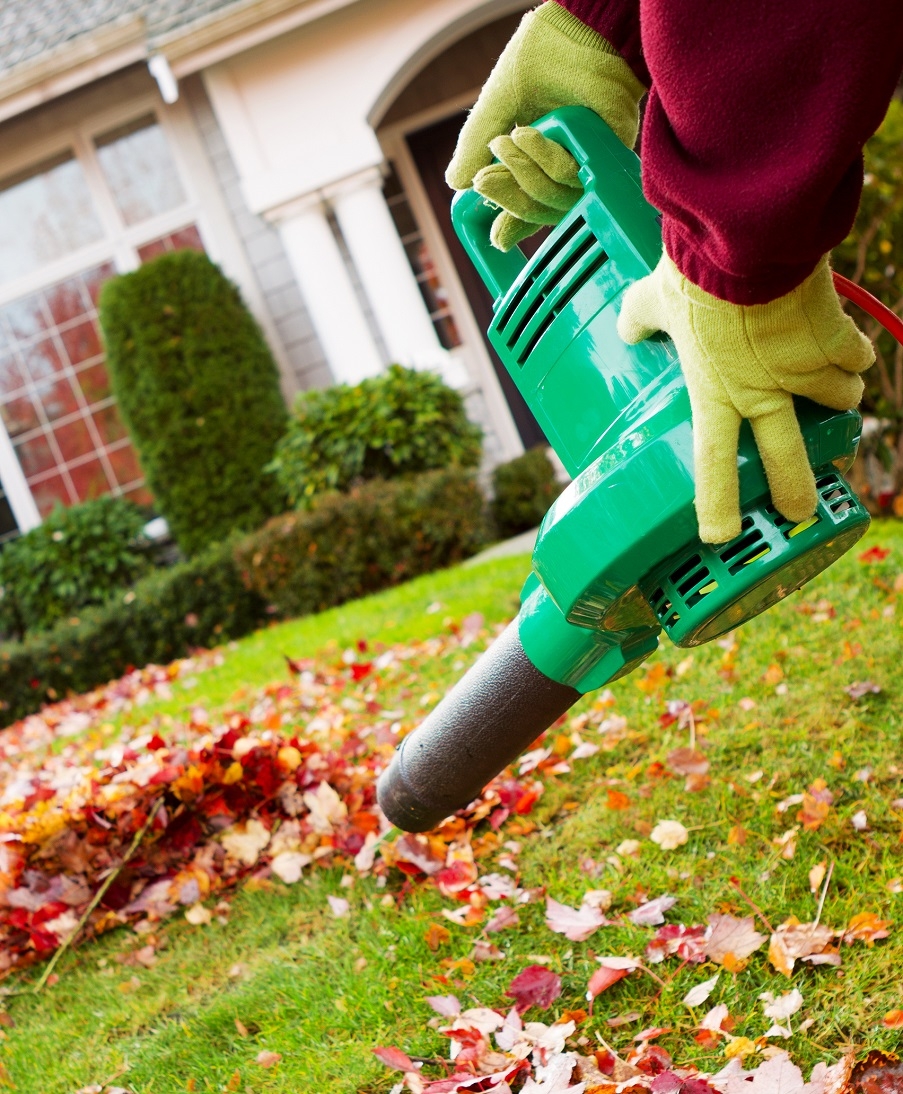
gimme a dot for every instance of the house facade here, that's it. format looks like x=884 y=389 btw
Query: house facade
x=300 y=143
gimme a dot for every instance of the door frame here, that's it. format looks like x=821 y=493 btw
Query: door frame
x=476 y=359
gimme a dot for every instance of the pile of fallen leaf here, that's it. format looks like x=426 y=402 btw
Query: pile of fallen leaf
x=95 y=837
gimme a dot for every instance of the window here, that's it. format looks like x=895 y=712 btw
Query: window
x=45 y=214
x=138 y=168
x=109 y=202
x=55 y=397
x=431 y=289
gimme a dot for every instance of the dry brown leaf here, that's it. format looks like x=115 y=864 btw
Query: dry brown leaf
x=687 y=761
x=728 y=937
x=794 y=941
x=866 y=927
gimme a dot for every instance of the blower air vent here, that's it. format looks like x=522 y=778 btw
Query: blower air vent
x=707 y=590
x=560 y=272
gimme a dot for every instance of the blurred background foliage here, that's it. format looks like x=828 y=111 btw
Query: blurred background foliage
x=872 y=256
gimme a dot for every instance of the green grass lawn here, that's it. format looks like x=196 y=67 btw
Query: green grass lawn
x=279 y=973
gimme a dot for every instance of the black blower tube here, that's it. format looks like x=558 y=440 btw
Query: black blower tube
x=488 y=718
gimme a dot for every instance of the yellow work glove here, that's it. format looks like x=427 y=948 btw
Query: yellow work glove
x=552 y=60
x=746 y=361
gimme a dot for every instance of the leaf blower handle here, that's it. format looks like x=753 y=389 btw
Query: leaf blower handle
x=490 y=716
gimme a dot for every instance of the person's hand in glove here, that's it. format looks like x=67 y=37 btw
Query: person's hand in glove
x=747 y=361
x=552 y=60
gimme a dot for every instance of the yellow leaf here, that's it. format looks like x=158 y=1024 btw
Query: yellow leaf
x=233 y=773
x=778 y=955
x=739 y=1046
x=737 y=835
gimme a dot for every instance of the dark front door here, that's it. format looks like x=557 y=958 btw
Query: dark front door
x=432 y=149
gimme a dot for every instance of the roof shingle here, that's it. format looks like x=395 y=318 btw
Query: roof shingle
x=30 y=28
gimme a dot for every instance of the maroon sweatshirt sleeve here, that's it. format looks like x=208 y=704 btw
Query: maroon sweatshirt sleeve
x=753 y=133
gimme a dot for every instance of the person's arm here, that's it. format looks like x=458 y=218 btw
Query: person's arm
x=618 y=22
x=754 y=126
x=752 y=148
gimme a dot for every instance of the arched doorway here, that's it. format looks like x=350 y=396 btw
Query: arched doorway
x=418 y=131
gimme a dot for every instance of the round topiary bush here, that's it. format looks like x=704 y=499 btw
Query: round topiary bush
x=199 y=392
x=401 y=422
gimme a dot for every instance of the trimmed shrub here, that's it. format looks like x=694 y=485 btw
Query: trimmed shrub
x=346 y=545
x=523 y=489
x=199 y=391
x=379 y=534
x=167 y=614
x=77 y=557
x=401 y=422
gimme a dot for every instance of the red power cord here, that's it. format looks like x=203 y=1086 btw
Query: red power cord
x=891 y=322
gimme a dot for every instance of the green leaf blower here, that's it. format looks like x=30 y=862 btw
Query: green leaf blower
x=618 y=557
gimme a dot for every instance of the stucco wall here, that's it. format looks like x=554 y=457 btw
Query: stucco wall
x=296 y=112
x=266 y=255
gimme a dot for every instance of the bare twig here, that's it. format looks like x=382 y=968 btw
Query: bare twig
x=98 y=897
x=824 y=893
x=755 y=907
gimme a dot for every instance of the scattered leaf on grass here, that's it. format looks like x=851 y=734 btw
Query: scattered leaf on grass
x=866 y=927
x=577 y=924
x=436 y=935
x=394 y=1058
x=669 y=835
x=695 y=997
x=339 y=906
x=267 y=1059
x=535 y=986
x=729 y=939
x=652 y=913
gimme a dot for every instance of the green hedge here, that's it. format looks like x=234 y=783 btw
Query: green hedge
x=401 y=422
x=199 y=391
x=523 y=490
x=346 y=545
x=79 y=556
x=376 y=535
x=197 y=603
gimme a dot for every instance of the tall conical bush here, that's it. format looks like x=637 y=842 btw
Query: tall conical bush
x=198 y=389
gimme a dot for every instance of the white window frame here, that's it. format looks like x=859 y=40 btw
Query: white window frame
x=203 y=207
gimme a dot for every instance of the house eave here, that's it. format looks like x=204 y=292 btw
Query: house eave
x=188 y=49
x=87 y=58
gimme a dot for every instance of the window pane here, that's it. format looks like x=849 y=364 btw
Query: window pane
x=186 y=239
x=139 y=170
x=55 y=398
x=44 y=215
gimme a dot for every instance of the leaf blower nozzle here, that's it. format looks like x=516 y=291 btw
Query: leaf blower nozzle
x=491 y=715
x=618 y=557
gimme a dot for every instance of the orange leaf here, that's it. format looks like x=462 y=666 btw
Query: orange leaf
x=867 y=927
x=774 y=674
x=436 y=936
x=814 y=813
x=617 y=800
x=737 y=835
x=893 y=1019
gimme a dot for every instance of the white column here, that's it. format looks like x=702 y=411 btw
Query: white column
x=332 y=303
x=385 y=272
